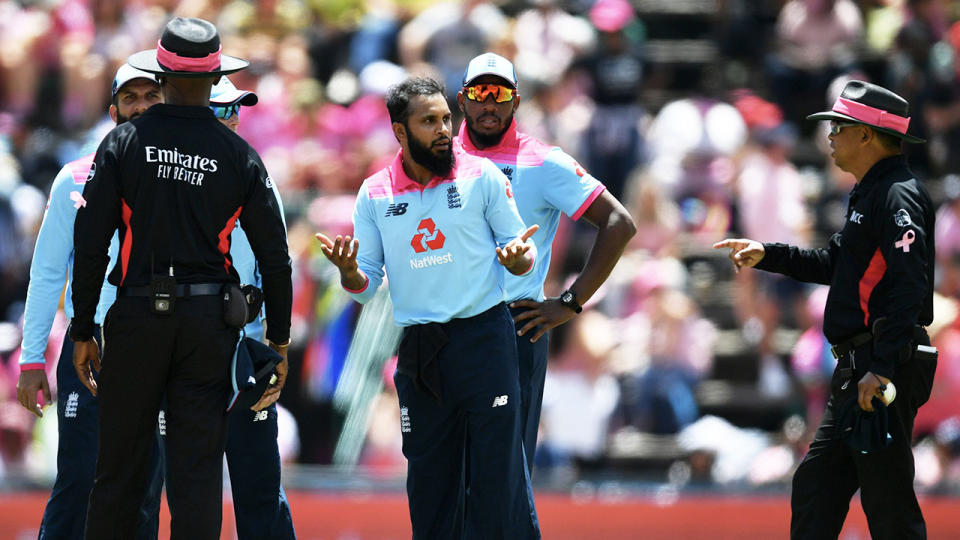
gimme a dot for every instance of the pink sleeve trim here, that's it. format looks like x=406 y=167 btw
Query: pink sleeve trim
x=366 y=282
x=586 y=204
x=533 y=263
x=33 y=366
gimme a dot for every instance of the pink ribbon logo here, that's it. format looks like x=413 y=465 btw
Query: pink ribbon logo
x=77 y=199
x=908 y=238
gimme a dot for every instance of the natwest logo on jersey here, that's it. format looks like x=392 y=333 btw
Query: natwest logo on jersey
x=428 y=237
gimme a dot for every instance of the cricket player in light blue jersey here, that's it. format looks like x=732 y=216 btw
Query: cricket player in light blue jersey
x=443 y=226
x=546 y=182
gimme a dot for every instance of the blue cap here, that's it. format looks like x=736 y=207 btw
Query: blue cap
x=127 y=73
x=490 y=64
x=225 y=93
x=252 y=367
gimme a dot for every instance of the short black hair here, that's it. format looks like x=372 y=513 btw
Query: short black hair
x=399 y=96
x=888 y=141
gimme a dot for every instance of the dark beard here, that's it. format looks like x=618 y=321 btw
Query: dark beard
x=440 y=165
x=481 y=140
x=121 y=119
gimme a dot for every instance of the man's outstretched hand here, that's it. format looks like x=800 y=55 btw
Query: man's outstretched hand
x=514 y=256
x=743 y=251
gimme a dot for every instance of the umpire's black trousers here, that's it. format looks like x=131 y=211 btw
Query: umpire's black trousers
x=832 y=472
x=186 y=356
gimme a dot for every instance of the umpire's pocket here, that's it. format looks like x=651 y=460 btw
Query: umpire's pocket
x=924 y=369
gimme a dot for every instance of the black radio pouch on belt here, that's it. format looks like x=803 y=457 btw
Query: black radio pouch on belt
x=254 y=298
x=240 y=304
x=163 y=294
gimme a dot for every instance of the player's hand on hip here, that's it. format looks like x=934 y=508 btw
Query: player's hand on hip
x=272 y=393
x=743 y=251
x=86 y=354
x=541 y=316
x=31 y=382
x=513 y=256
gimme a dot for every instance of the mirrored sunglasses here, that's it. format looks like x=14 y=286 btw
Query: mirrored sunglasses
x=226 y=112
x=835 y=127
x=479 y=92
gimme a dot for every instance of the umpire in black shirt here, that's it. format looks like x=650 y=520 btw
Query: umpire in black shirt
x=174 y=182
x=880 y=272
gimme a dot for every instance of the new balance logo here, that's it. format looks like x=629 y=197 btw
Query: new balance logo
x=260 y=416
x=500 y=401
x=397 y=209
x=405 y=420
x=70 y=411
x=508 y=171
x=162 y=423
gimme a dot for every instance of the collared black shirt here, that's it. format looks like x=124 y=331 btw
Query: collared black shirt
x=879 y=266
x=175 y=181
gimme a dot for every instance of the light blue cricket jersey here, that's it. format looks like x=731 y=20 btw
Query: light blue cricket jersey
x=52 y=264
x=546 y=182
x=437 y=242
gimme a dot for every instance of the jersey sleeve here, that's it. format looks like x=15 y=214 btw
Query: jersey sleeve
x=48 y=269
x=501 y=209
x=97 y=219
x=905 y=225
x=808 y=265
x=262 y=218
x=567 y=186
x=370 y=258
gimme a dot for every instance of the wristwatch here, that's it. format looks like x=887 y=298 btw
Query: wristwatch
x=569 y=298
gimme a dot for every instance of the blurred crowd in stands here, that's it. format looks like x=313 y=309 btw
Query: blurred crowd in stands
x=690 y=111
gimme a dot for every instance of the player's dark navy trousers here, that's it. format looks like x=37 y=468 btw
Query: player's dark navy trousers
x=259 y=502
x=186 y=356
x=831 y=472
x=477 y=403
x=533 y=372
x=66 y=511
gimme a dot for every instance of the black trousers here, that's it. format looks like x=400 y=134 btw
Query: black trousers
x=185 y=355
x=832 y=472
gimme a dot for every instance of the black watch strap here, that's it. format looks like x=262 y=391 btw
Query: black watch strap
x=569 y=298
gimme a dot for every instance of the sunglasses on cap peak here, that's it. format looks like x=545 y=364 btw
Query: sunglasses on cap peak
x=479 y=92
x=227 y=112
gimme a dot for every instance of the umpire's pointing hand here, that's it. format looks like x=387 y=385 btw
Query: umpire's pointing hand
x=85 y=355
x=743 y=251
